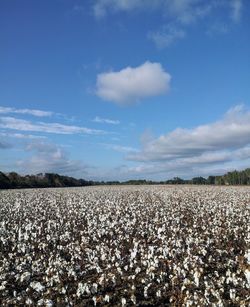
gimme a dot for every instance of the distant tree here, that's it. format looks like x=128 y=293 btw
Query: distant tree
x=211 y=180
x=199 y=180
x=14 y=180
x=4 y=181
x=176 y=180
x=219 y=180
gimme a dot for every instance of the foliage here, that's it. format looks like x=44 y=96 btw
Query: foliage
x=15 y=181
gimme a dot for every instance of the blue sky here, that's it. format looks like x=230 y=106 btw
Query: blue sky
x=120 y=89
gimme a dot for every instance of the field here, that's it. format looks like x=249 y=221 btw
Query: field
x=125 y=246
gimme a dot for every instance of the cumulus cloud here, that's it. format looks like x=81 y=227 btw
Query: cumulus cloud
x=38 y=113
x=101 y=120
x=131 y=84
x=25 y=125
x=232 y=131
x=223 y=144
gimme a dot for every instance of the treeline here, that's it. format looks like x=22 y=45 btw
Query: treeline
x=15 y=181
x=234 y=178
x=230 y=178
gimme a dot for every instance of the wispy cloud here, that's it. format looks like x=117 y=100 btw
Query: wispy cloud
x=237 y=7
x=50 y=157
x=38 y=113
x=184 y=10
x=101 y=120
x=177 y=15
x=57 y=128
x=217 y=28
x=131 y=84
x=102 y=7
x=166 y=36
x=4 y=145
x=21 y=136
x=120 y=148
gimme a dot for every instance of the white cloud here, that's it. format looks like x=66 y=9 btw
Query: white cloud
x=25 y=125
x=236 y=6
x=102 y=7
x=49 y=157
x=233 y=131
x=177 y=13
x=184 y=10
x=221 y=145
x=101 y=120
x=217 y=28
x=38 y=113
x=188 y=11
x=4 y=145
x=131 y=84
x=120 y=148
x=21 y=136
x=166 y=36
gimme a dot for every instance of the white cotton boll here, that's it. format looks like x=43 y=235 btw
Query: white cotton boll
x=123 y=301
x=49 y=303
x=151 y=269
x=25 y=276
x=80 y=289
x=101 y=281
x=106 y=298
x=26 y=236
x=247 y=256
x=196 y=278
x=94 y=288
x=28 y=301
x=133 y=299
x=247 y=274
x=19 y=234
x=40 y=302
x=37 y=286
x=3 y=284
x=133 y=254
x=232 y=293
x=103 y=257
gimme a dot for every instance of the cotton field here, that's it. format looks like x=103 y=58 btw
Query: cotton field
x=125 y=246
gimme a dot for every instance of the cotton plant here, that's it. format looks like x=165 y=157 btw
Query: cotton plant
x=123 y=246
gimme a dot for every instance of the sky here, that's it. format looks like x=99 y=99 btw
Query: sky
x=125 y=89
